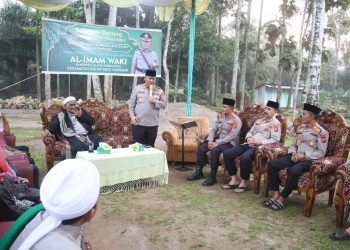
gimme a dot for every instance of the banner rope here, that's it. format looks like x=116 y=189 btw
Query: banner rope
x=9 y=86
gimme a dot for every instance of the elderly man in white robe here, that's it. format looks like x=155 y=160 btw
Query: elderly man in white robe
x=75 y=124
x=69 y=194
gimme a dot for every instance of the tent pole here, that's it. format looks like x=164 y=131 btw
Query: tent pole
x=191 y=59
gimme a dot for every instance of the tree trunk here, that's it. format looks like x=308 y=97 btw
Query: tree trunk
x=165 y=56
x=236 y=50
x=37 y=62
x=241 y=86
x=315 y=64
x=281 y=52
x=177 y=75
x=137 y=14
x=88 y=87
x=311 y=43
x=108 y=81
x=300 y=57
x=48 y=89
x=335 y=78
x=90 y=11
x=290 y=94
x=256 y=65
x=58 y=86
x=211 y=96
x=217 y=81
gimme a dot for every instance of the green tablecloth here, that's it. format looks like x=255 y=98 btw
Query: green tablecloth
x=124 y=170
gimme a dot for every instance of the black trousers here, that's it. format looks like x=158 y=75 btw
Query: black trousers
x=247 y=154
x=214 y=154
x=295 y=170
x=145 y=135
x=77 y=145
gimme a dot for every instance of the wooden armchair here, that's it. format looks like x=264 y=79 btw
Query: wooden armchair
x=173 y=138
x=342 y=192
x=321 y=176
x=112 y=125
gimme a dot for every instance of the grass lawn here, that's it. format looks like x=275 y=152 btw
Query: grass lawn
x=185 y=215
x=23 y=135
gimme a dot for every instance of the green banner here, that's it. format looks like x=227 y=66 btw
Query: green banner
x=76 y=48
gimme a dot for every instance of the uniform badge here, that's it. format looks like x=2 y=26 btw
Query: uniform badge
x=235 y=123
x=266 y=131
x=315 y=129
x=323 y=137
x=311 y=142
x=275 y=127
x=298 y=140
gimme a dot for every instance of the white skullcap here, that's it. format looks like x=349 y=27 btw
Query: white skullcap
x=69 y=190
x=69 y=99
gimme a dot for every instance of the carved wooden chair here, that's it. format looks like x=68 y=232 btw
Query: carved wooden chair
x=321 y=176
x=342 y=192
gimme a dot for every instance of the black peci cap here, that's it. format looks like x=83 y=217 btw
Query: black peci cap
x=273 y=104
x=150 y=72
x=229 y=102
x=312 y=108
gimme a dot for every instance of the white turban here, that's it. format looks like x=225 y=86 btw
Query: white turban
x=69 y=99
x=69 y=190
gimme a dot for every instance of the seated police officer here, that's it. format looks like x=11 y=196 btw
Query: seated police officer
x=309 y=144
x=224 y=135
x=264 y=131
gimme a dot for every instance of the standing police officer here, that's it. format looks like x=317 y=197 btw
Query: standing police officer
x=144 y=58
x=145 y=102
x=224 y=135
x=264 y=131
x=309 y=144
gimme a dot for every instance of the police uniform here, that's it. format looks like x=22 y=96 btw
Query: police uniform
x=225 y=133
x=310 y=141
x=145 y=59
x=267 y=130
x=145 y=131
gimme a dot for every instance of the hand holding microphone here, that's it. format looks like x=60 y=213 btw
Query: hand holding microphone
x=150 y=97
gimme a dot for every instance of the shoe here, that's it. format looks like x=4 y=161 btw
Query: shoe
x=210 y=181
x=344 y=235
x=196 y=175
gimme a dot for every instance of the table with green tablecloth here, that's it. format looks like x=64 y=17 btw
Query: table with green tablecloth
x=124 y=170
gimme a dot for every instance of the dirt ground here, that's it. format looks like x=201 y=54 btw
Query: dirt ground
x=185 y=215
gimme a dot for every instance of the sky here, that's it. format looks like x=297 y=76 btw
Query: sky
x=270 y=12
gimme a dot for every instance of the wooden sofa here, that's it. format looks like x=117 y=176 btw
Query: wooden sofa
x=112 y=125
x=321 y=176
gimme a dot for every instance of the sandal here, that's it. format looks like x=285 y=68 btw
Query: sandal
x=343 y=235
x=229 y=186
x=278 y=206
x=268 y=202
x=240 y=190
